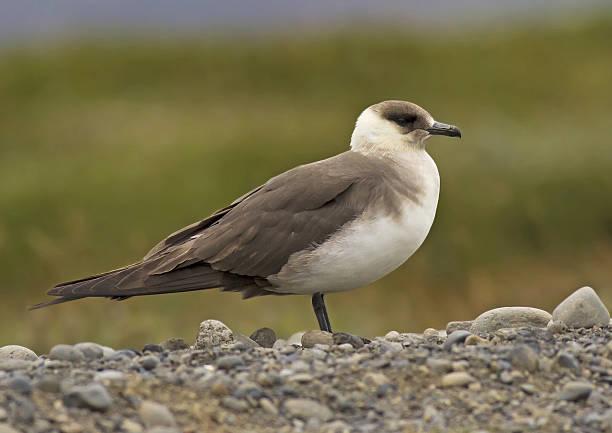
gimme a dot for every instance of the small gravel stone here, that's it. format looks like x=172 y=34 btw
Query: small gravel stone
x=17 y=352
x=149 y=362
x=523 y=357
x=268 y=406
x=392 y=336
x=153 y=414
x=154 y=348
x=567 y=360
x=174 y=344
x=48 y=383
x=243 y=342
x=310 y=338
x=213 y=333
x=463 y=325
x=306 y=409
x=65 y=352
x=234 y=404
x=5 y=428
x=509 y=317
x=93 y=396
x=265 y=337
x=90 y=351
x=575 y=391
x=582 y=309
x=228 y=362
x=345 y=338
x=457 y=337
x=295 y=339
x=439 y=366
x=475 y=340
x=20 y=384
x=129 y=426
x=459 y=378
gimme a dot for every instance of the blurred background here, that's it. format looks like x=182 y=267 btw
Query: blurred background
x=121 y=122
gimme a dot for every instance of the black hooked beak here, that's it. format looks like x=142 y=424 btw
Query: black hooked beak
x=439 y=128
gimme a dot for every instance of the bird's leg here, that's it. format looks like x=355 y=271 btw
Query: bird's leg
x=318 y=305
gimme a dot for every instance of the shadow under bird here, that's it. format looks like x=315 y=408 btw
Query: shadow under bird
x=332 y=225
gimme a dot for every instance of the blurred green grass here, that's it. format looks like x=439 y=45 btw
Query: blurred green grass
x=108 y=146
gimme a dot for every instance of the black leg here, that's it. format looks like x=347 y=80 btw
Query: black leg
x=318 y=305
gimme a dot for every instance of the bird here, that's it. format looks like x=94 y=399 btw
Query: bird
x=328 y=226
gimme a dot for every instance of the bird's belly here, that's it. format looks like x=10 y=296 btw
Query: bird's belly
x=361 y=252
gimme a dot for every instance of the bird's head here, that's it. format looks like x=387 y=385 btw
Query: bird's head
x=396 y=125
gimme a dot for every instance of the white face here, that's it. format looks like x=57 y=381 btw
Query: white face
x=372 y=130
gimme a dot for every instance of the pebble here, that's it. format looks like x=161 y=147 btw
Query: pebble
x=523 y=357
x=234 y=404
x=310 y=338
x=93 y=396
x=567 y=360
x=509 y=317
x=582 y=309
x=65 y=352
x=459 y=378
x=475 y=340
x=340 y=338
x=17 y=352
x=174 y=344
x=90 y=351
x=153 y=414
x=306 y=409
x=456 y=337
x=48 y=383
x=265 y=337
x=5 y=428
x=149 y=362
x=575 y=391
x=14 y=364
x=295 y=339
x=556 y=327
x=154 y=348
x=213 y=333
x=463 y=325
x=228 y=362
x=243 y=342
x=392 y=336
x=129 y=426
x=20 y=384
x=268 y=406
x=439 y=366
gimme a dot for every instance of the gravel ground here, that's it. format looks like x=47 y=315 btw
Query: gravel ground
x=515 y=374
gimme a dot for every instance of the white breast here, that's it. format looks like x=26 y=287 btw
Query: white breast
x=369 y=247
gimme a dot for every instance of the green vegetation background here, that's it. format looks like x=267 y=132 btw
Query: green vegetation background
x=106 y=147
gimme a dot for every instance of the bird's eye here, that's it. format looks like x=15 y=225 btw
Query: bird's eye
x=406 y=120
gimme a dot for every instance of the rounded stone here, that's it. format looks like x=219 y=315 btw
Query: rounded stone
x=306 y=409
x=213 y=333
x=523 y=357
x=90 y=351
x=509 y=317
x=460 y=325
x=154 y=414
x=17 y=352
x=582 y=309
x=93 y=396
x=340 y=338
x=458 y=378
x=5 y=428
x=149 y=362
x=310 y=338
x=265 y=337
x=456 y=337
x=174 y=344
x=65 y=352
x=575 y=391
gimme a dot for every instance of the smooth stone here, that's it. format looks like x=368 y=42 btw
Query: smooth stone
x=345 y=338
x=582 y=309
x=575 y=391
x=459 y=325
x=306 y=409
x=475 y=340
x=65 y=352
x=310 y=338
x=17 y=352
x=213 y=333
x=392 y=336
x=296 y=338
x=243 y=342
x=228 y=362
x=265 y=337
x=14 y=364
x=129 y=426
x=458 y=378
x=439 y=366
x=154 y=414
x=20 y=384
x=90 y=351
x=5 y=428
x=149 y=362
x=93 y=396
x=174 y=344
x=234 y=404
x=523 y=357
x=567 y=360
x=109 y=376
x=153 y=348
x=456 y=337
x=49 y=383
x=268 y=406
x=509 y=317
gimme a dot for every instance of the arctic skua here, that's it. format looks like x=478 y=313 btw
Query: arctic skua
x=329 y=226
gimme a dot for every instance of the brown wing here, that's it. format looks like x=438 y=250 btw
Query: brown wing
x=238 y=247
